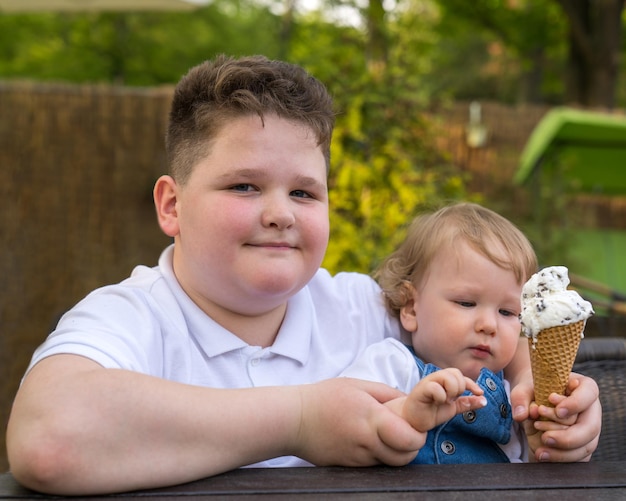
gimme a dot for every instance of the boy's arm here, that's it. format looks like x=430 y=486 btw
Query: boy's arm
x=76 y=428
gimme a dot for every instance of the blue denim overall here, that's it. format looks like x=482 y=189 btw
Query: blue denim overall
x=470 y=437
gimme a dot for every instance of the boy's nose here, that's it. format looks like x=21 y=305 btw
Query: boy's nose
x=278 y=213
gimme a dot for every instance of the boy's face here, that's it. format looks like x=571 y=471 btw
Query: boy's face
x=466 y=313
x=251 y=223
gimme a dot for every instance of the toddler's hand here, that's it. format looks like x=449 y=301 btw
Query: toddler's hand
x=438 y=398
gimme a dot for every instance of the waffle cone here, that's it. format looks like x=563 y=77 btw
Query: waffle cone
x=552 y=357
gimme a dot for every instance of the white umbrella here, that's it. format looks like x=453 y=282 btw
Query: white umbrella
x=97 y=5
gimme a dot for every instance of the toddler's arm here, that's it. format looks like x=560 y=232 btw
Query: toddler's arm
x=437 y=398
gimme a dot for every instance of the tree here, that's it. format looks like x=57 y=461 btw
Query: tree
x=506 y=50
x=377 y=45
x=581 y=39
x=594 y=38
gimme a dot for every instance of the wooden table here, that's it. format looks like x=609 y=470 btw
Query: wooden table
x=597 y=481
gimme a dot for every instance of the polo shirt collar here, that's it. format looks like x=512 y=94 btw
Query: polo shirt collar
x=298 y=328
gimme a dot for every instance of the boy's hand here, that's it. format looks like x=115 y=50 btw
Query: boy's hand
x=438 y=398
x=542 y=419
x=344 y=421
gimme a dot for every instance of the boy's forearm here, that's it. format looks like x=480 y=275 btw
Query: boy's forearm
x=78 y=428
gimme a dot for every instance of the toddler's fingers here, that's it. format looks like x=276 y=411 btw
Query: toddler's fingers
x=549 y=413
x=469 y=403
x=473 y=387
x=545 y=425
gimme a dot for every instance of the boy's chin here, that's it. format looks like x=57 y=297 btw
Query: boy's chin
x=281 y=287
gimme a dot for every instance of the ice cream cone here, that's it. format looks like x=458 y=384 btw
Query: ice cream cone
x=552 y=356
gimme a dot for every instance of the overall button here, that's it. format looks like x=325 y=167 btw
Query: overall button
x=447 y=447
x=469 y=416
x=504 y=410
x=491 y=384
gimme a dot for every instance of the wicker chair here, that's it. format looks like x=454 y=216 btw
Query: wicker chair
x=604 y=360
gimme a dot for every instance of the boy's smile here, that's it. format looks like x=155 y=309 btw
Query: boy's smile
x=251 y=223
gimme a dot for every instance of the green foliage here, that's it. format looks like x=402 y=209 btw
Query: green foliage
x=147 y=48
x=384 y=170
x=334 y=54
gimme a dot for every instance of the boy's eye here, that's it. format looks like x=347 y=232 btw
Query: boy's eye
x=508 y=313
x=300 y=194
x=466 y=304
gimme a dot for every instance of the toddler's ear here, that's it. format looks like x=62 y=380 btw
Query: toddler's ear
x=165 y=199
x=408 y=314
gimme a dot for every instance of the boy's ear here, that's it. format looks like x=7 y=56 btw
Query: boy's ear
x=165 y=198
x=408 y=313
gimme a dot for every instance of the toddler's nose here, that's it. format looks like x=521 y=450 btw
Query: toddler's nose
x=486 y=322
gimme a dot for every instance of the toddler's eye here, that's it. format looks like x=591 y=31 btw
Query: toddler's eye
x=508 y=313
x=466 y=304
x=242 y=187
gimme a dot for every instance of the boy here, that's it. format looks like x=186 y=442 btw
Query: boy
x=203 y=364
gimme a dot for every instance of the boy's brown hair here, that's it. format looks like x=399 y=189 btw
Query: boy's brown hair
x=485 y=231
x=216 y=92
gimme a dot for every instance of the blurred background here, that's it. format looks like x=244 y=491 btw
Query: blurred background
x=515 y=104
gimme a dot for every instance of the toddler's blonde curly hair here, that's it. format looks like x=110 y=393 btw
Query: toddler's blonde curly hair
x=489 y=233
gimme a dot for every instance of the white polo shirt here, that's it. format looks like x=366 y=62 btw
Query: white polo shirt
x=149 y=325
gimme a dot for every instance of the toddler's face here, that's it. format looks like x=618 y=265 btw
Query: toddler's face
x=466 y=313
x=252 y=219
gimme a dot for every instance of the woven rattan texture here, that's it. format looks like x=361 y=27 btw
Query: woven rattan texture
x=611 y=378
